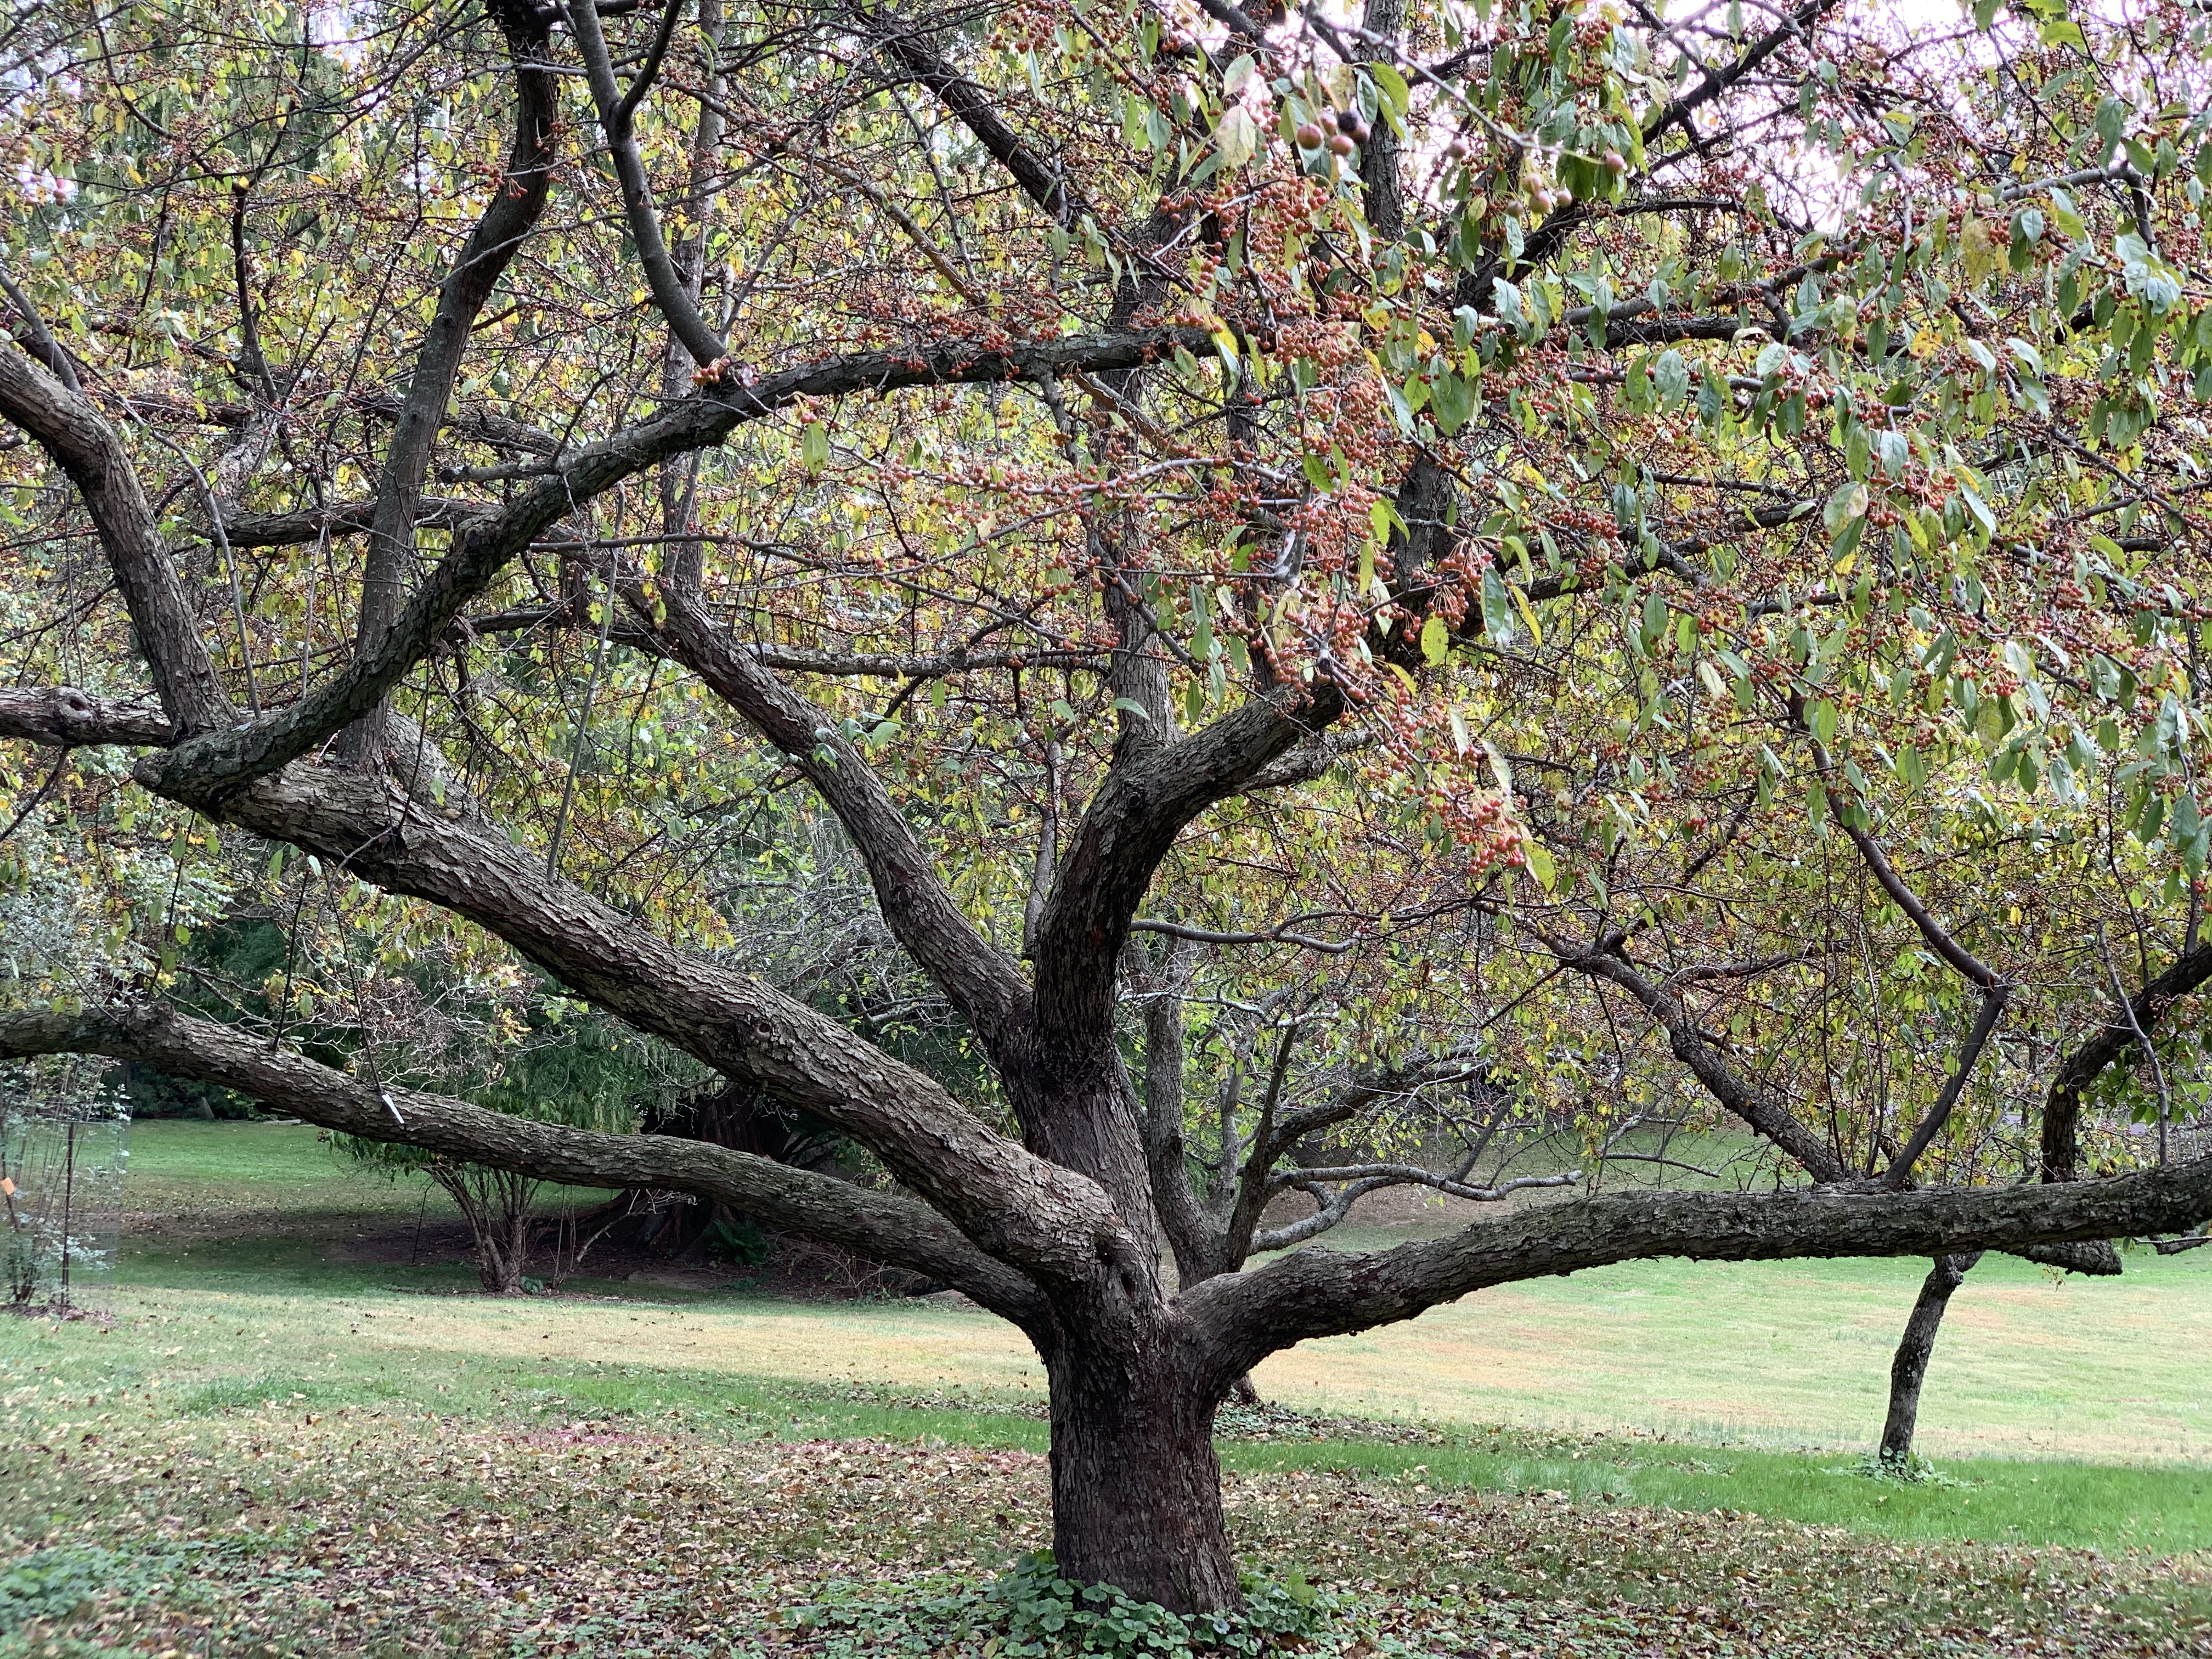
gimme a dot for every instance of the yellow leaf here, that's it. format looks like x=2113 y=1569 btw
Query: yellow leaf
x=1435 y=640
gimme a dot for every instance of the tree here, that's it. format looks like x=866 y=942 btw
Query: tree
x=1666 y=553
x=583 y=1071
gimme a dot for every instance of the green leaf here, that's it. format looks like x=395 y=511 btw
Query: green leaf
x=1540 y=863
x=1497 y=619
x=1848 y=503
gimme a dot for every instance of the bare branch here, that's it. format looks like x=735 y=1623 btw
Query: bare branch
x=2062 y=1107
x=1765 y=1115
x=1679 y=111
x=1334 y=947
x=1992 y=1010
x=204 y=770
x=973 y=973
x=1414 y=1175
x=971 y=104
x=615 y=110
x=508 y=219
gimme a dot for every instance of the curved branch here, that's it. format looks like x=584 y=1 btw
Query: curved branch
x=508 y=219
x=2061 y=1109
x=1047 y=1220
x=1333 y=947
x=78 y=437
x=1763 y=1114
x=616 y=112
x=1128 y=827
x=888 y=1226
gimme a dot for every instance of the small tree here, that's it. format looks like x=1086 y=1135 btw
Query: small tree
x=575 y=1070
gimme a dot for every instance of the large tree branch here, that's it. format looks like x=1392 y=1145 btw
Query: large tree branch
x=1128 y=827
x=972 y=107
x=308 y=523
x=1321 y=1292
x=69 y=428
x=204 y=771
x=889 y=1226
x=63 y=717
x=1714 y=82
x=1022 y=1209
x=1758 y=1109
x=617 y=111
x=975 y=974
x=508 y=219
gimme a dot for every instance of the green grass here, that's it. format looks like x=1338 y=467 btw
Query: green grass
x=185 y=1170
x=277 y=1448
x=220 y=1352
x=1765 y=1379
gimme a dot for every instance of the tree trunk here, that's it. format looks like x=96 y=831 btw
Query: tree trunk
x=1136 y=1487
x=1910 y=1368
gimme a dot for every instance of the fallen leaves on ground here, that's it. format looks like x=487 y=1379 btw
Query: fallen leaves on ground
x=282 y=1530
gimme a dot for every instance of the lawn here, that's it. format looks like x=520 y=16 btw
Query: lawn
x=1792 y=1355
x=286 y=1444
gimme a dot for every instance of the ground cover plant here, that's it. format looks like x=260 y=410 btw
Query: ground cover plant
x=1351 y=589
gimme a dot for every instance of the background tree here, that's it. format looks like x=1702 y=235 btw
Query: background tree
x=1667 y=551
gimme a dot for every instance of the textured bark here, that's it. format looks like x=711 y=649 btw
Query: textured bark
x=66 y=718
x=986 y=986
x=1056 y=1232
x=1136 y=1487
x=71 y=430
x=2061 y=1109
x=1128 y=827
x=1909 y=1367
x=1384 y=194
x=1320 y=1293
x=892 y=1227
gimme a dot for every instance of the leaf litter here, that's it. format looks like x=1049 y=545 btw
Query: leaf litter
x=285 y=1530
